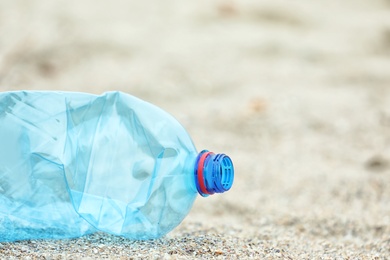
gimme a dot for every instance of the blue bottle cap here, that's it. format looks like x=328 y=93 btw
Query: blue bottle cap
x=214 y=173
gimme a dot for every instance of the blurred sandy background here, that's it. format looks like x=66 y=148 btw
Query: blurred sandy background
x=296 y=92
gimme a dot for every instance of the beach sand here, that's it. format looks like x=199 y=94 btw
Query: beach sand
x=297 y=93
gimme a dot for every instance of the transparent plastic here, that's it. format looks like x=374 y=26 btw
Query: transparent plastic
x=74 y=163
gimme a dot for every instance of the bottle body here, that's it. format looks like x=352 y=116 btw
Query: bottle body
x=73 y=163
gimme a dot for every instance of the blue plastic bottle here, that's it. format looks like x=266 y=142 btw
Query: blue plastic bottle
x=74 y=163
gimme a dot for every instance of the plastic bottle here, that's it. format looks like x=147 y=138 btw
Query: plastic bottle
x=73 y=164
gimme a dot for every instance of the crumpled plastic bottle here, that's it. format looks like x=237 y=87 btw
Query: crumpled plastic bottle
x=74 y=163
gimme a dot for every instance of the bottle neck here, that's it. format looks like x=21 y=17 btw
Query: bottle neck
x=214 y=173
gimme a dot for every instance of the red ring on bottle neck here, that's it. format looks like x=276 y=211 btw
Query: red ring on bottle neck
x=201 y=180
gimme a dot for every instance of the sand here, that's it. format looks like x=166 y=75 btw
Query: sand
x=297 y=93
